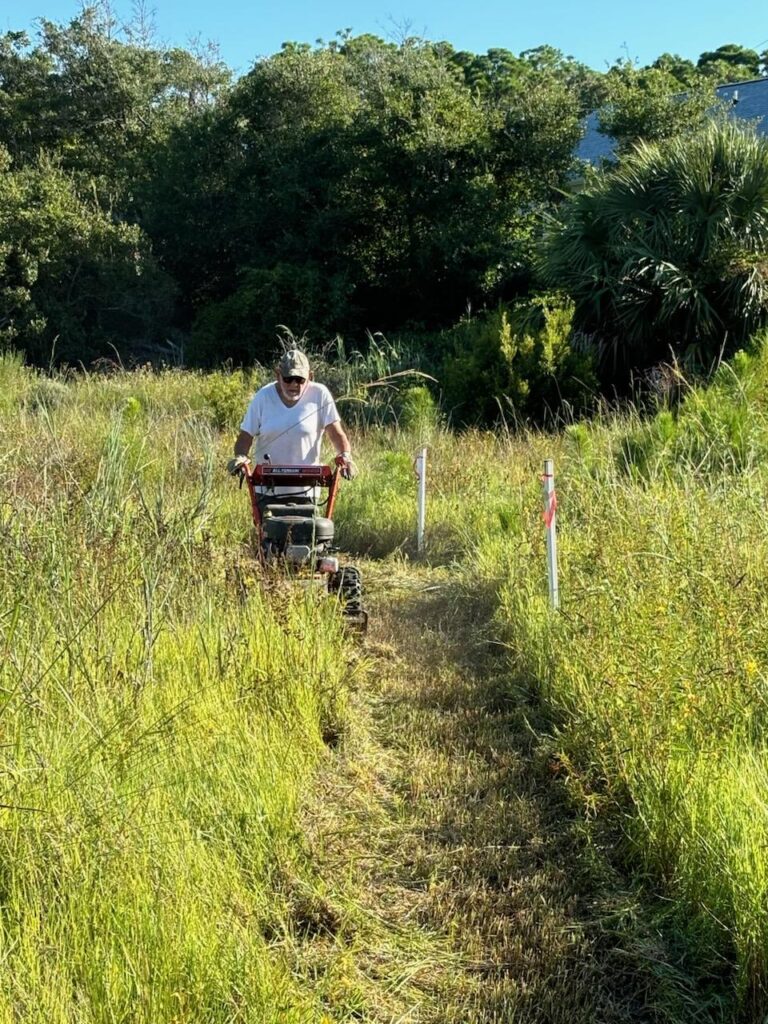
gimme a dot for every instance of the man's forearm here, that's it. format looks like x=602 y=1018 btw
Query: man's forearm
x=243 y=443
x=343 y=445
x=338 y=438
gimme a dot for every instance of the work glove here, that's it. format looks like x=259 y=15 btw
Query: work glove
x=235 y=466
x=347 y=466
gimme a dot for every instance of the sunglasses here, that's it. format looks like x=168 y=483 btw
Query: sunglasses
x=293 y=380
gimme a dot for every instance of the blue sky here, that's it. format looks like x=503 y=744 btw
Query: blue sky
x=594 y=31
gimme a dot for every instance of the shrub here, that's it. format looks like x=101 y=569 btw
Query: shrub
x=418 y=410
x=226 y=397
x=517 y=360
x=670 y=252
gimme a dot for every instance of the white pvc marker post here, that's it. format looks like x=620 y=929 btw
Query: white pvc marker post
x=420 y=466
x=550 y=522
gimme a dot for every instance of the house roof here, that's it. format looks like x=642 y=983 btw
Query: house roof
x=749 y=102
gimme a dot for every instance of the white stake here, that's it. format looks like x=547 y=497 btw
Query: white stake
x=550 y=521
x=421 y=473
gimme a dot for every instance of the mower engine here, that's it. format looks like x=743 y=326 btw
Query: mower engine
x=297 y=530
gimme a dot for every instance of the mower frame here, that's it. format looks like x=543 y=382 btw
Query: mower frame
x=344 y=582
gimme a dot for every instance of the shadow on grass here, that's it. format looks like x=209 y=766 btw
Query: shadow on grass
x=502 y=861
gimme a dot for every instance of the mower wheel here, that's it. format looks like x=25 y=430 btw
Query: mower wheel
x=348 y=584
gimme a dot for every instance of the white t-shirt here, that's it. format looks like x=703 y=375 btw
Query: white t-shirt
x=290 y=435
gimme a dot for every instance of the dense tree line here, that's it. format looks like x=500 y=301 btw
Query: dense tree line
x=150 y=203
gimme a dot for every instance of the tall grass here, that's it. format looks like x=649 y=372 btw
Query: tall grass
x=161 y=716
x=160 y=719
x=373 y=384
x=655 y=672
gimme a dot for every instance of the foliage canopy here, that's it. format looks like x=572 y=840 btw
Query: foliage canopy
x=346 y=188
x=670 y=252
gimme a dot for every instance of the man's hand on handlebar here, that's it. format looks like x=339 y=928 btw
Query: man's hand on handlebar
x=346 y=465
x=236 y=465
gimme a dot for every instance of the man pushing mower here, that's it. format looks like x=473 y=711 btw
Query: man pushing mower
x=284 y=425
x=288 y=418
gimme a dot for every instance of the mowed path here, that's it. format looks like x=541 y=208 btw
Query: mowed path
x=465 y=884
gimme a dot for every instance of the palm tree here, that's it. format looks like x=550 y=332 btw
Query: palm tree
x=669 y=253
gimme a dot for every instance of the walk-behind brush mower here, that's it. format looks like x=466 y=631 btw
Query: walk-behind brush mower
x=295 y=530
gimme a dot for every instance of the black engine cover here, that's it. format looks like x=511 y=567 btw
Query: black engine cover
x=297 y=530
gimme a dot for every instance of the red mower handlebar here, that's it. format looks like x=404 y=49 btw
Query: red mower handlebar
x=269 y=475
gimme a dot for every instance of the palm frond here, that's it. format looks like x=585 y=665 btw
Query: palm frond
x=671 y=248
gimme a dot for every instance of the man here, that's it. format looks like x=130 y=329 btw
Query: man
x=288 y=417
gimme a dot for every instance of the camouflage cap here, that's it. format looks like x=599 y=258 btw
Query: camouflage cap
x=294 y=364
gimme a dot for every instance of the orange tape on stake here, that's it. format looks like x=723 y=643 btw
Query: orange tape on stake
x=549 y=512
x=550 y=507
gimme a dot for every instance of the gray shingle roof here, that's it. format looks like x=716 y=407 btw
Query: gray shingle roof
x=751 y=104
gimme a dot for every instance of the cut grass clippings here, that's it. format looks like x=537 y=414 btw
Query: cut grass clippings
x=477 y=882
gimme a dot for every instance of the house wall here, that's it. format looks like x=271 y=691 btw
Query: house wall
x=749 y=102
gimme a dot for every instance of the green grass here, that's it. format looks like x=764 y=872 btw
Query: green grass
x=655 y=673
x=162 y=717
x=160 y=720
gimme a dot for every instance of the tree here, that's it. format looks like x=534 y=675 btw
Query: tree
x=98 y=103
x=647 y=105
x=670 y=251
x=579 y=79
x=729 y=63
x=284 y=218
x=496 y=74
x=72 y=280
x=365 y=192
x=682 y=69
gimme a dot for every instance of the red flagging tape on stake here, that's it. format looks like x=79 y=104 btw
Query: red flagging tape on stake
x=549 y=513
